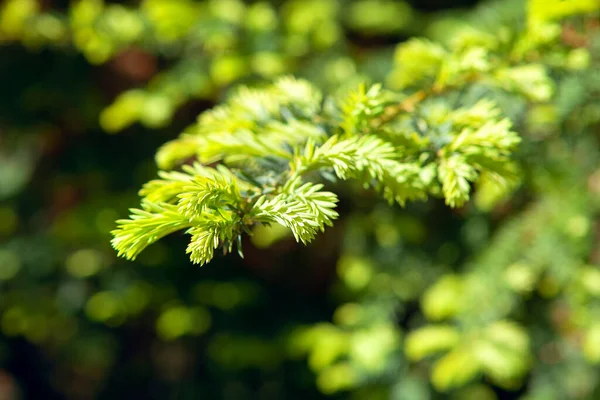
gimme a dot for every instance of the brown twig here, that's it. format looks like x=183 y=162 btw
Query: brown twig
x=407 y=105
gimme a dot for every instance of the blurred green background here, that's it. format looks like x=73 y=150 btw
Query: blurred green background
x=90 y=89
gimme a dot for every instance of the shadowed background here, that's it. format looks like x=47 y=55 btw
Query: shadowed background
x=88 y=91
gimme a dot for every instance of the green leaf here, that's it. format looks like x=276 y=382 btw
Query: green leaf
x=430 y=340
x=444 y=298
x=591 y=344
x=454 y=370
x=417 y=60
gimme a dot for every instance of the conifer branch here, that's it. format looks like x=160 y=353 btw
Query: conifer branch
x=272 y=144
x=147 y=225
x=267 y=143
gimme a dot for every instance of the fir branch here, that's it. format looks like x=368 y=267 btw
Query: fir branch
x=360 y=107
x=320 y=203
x=272 y=139
x=167 y=188
x=407 y=105
x=146 y=226
x=210 y=231
x=171 y=184
x=240 y=144
x=455 y=174
x=203 y=192
x=305 y=210
x=476 y=115
x=494 y=137
x=371 y=160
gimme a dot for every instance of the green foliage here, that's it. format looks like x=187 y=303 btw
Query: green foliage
x=248 y=135
x=408 y=144
x=452 y=179
x=238 y=41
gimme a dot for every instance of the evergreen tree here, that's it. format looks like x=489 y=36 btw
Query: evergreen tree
x=462 y=166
